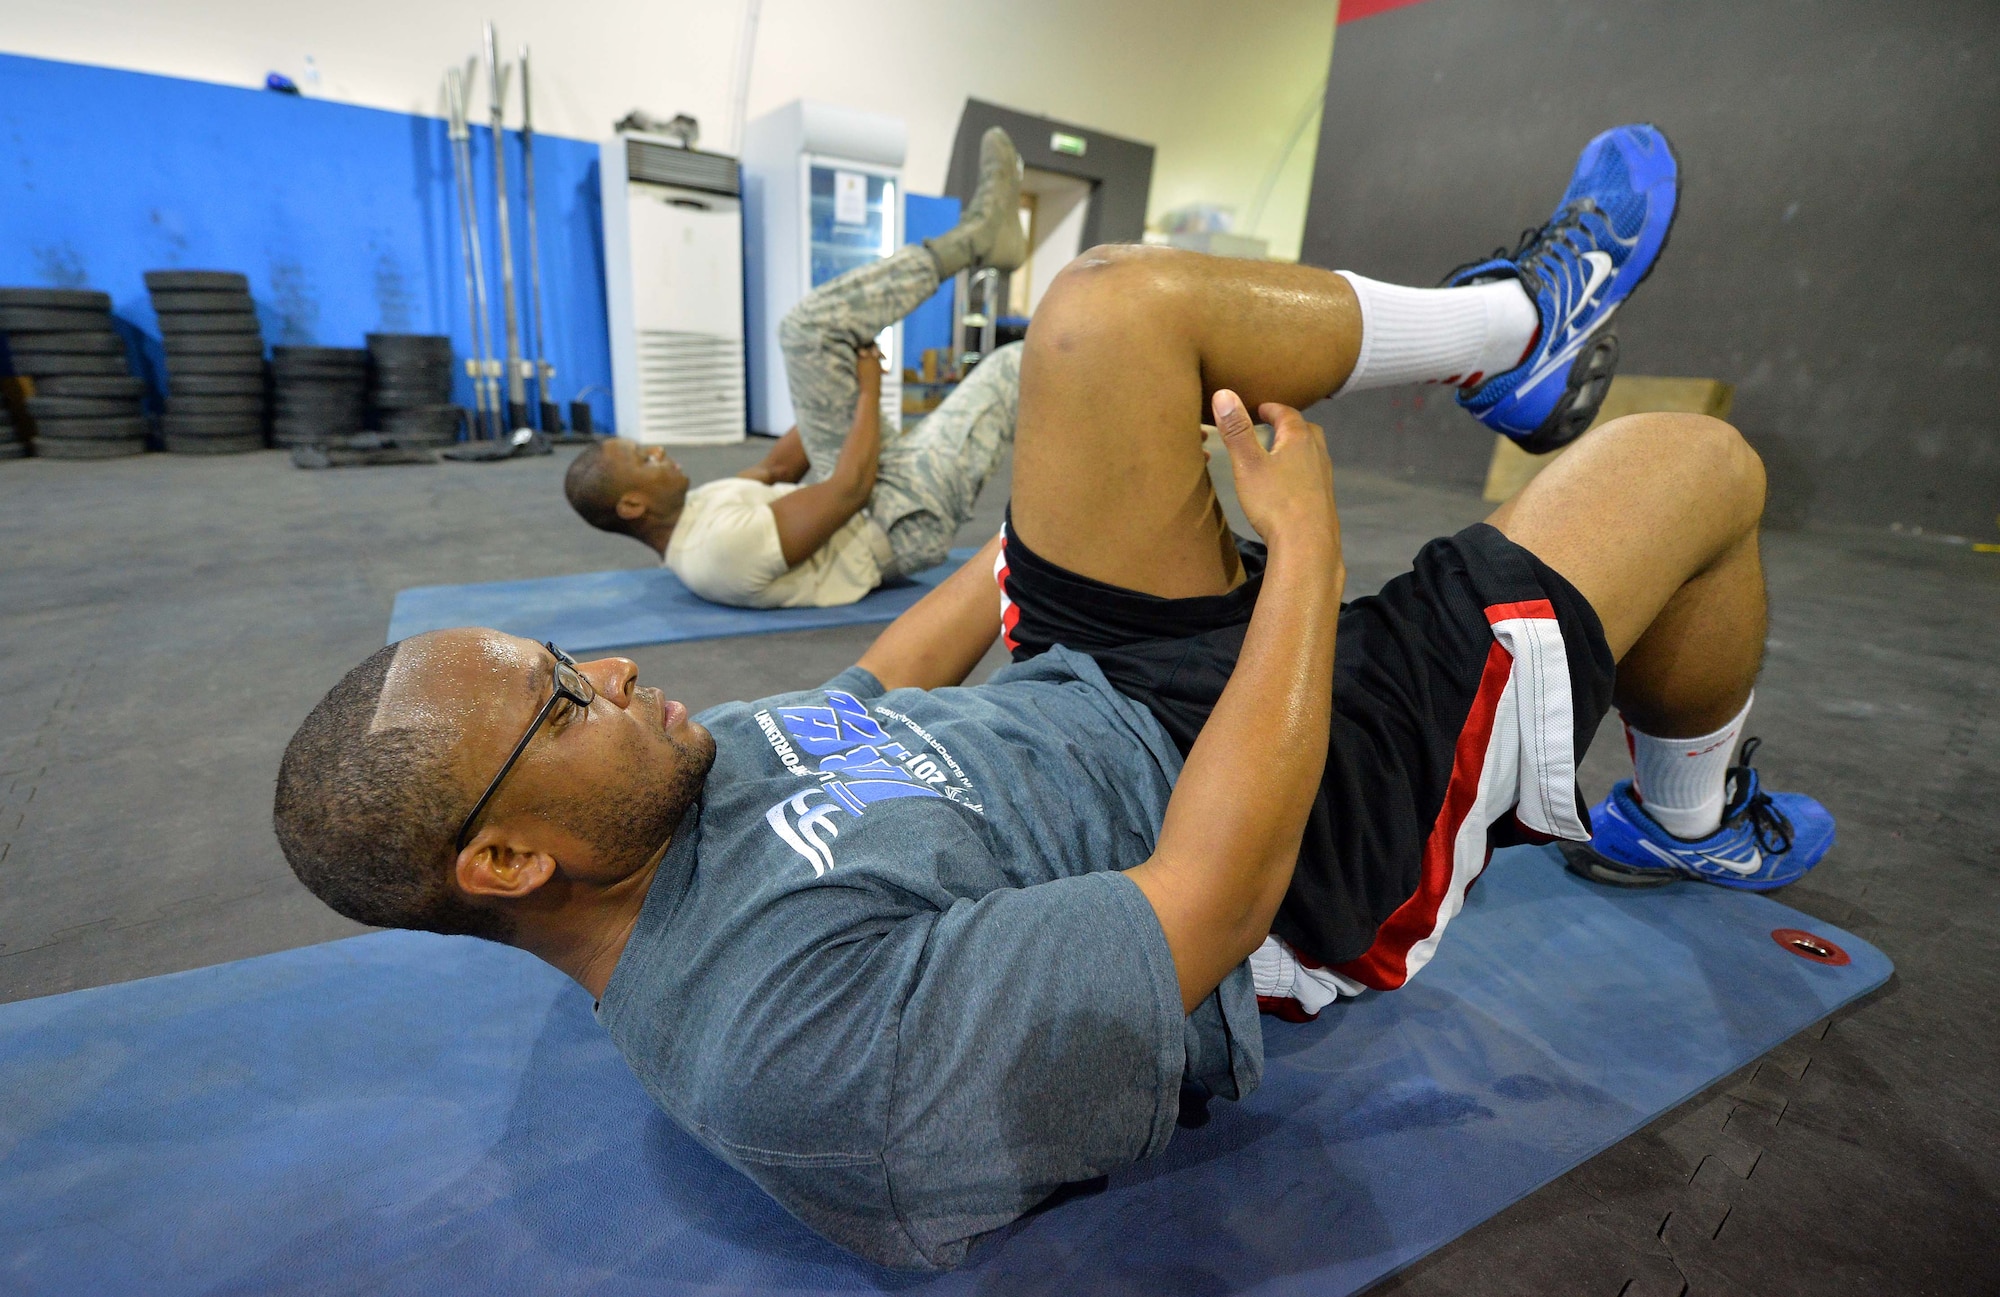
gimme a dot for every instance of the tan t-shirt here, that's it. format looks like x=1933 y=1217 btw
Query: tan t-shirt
x=726 y=549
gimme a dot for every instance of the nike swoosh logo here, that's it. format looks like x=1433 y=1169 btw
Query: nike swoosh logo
x=1559 y=360
x=1600 y=271
x=1572 y=338
x=1739 y=866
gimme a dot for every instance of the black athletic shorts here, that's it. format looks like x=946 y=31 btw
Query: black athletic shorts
x=1464 y=695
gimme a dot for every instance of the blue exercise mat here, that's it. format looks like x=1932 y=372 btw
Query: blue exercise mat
x=605 y=610
x=400 y=1113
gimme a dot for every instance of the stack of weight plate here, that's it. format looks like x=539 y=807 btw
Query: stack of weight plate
x=11 y=445
x=412 y=377
x=322 y=394
x=215 y=361
x=86 y=403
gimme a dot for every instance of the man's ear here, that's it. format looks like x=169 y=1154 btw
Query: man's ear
x=492 y=865
x=632 y=506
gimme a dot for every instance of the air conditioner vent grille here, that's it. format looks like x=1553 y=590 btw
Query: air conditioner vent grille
x=690 y=387
x=663 y=164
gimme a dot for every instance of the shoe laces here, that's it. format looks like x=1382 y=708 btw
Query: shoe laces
x=1551 y=253
x=1749 y=804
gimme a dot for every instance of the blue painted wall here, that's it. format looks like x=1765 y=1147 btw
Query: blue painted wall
x=343 y=218
x=930 y=324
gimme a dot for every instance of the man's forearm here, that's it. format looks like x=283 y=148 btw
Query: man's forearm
x=784 y=462
x=943 y=636
x=810 y=515
x=1232 y=828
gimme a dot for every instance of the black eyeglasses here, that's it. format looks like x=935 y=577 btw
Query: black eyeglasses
x=570 y=684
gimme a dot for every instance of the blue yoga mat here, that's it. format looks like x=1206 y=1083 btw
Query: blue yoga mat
x=400 y=1113
x=605 y=610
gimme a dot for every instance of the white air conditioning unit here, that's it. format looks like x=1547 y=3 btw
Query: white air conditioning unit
x=673 y=283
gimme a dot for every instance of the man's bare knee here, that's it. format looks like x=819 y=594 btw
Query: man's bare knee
x=1113 y=281
x=1702 y=456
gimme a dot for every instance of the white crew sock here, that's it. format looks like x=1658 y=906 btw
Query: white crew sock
x=1460 y=336
x=1681 y=782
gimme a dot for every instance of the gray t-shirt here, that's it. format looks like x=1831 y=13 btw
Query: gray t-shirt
x=889 y=969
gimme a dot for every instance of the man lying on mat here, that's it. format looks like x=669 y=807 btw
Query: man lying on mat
x=913 y=956
x=867 y=511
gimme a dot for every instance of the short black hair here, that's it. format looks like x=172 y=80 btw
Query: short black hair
x=593 y=490
x=369 y=820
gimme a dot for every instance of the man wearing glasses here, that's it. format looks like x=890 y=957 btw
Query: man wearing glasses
x=914 y=956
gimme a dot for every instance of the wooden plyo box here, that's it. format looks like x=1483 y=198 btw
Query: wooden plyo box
x=1513 y=468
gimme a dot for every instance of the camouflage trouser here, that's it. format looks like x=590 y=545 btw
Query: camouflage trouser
x=926 y=482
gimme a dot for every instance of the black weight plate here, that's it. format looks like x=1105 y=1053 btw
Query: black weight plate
x=170 y=303
x=74 y=299
x=181 y=324
x=49 y=366
x=216 y=404
x=350 y=418
x=178 y=385
x=85 y=407
x=412 y=393
x=47 y=449
x=319 y=383
x=408 y=340
x=100 y=342
x=17 y=319
x=213 y=445
x=65 y=385
x=435 y=415
x=213 y=344
x=169 y=281
x=213 y=425
x=292 y=398
x=215 y=366
x=391 y=362
x=13 y=450
x=328 y=355
x=414 y=373
x=411 y=398
x=311 y=437
x=91 y=429
x=320 y=413
x=342 y=392
x=310 y=376
x=285 y=426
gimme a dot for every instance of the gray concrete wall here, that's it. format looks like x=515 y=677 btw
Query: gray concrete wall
x=1837 y=253
x=1119 y=170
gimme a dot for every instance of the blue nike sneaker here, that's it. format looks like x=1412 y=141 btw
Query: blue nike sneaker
x=1766 y=839
x=1601 y=243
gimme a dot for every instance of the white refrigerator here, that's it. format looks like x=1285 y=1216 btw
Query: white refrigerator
x=823 y=194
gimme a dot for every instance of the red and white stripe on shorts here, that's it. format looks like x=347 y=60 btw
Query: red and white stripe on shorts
x=1010 y=616
x=1516 y=754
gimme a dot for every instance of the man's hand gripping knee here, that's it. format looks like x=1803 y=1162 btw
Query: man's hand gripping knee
x=1232 y=829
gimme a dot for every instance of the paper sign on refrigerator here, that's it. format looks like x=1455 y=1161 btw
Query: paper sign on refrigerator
x=850 y=198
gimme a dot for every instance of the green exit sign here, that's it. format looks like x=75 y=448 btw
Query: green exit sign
x=1074 y=145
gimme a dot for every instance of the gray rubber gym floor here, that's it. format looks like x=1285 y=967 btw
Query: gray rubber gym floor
x=165 y=622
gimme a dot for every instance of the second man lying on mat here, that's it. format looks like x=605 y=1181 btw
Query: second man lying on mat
x=832 y=512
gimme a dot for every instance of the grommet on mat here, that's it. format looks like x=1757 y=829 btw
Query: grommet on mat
x=1807 y=945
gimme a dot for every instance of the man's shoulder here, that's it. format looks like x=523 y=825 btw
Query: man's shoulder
x=726 y=545
x=734 y=491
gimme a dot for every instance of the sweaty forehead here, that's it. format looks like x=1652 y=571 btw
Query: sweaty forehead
x=453 y=678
